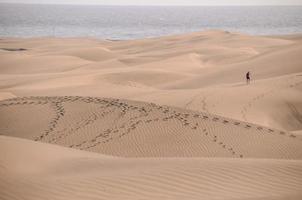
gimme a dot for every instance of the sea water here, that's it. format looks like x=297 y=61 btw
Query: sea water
x=132 y=22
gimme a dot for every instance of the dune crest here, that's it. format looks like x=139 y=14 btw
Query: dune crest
x=136 y=129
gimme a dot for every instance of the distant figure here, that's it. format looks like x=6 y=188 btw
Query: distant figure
x=248 y=78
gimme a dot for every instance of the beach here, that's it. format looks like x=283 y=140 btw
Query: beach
x=169 y=117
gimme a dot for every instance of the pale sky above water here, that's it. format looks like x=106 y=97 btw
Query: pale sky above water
x=163 y=2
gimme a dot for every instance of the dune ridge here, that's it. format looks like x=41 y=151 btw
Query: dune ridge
x=136 y=129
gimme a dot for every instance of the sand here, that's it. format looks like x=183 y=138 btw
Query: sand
x=63 y=173
x=161 y=118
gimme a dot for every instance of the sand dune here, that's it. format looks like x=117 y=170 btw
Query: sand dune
x=91 y=54
x=135 y=129
x=23 y=64
x=71 y=174
x=160 y=118
x=195 y=65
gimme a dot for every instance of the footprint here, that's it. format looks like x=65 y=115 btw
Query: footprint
x=236 y=123
x=248 y=126
x=205 y=117
x=215 y=119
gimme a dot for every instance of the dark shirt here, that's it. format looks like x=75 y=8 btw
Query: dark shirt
x=248 y=75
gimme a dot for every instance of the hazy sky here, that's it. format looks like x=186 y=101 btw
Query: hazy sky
x=164 y=2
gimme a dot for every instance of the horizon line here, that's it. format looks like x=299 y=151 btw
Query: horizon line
x=156 y=5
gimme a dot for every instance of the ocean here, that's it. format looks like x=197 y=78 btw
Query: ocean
x=133 y=22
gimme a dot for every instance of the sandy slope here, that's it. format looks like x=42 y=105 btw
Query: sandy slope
x=135 y=129
x=71 y=174
x=215 y=138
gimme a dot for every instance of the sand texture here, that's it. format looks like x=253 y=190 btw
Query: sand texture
x=161 y=118
x=61 y=173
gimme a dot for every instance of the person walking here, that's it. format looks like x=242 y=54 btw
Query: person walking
x=248 y=78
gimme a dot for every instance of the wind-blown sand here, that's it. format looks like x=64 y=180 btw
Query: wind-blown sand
x=162 y=118
x=60 y=173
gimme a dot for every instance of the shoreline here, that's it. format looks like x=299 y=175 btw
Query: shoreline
x=151 y=38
